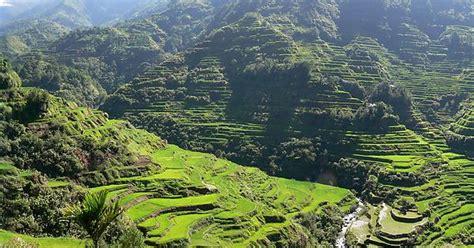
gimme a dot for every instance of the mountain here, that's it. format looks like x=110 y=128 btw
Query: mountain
x=98 y=60
x=74 y=13
x=36 y=24
x=253 y=81
x=374 y=97
x=366 y=100
x=148 y=40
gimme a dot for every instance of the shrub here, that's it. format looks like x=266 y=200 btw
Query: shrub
x=325 y=225
x=354 y=88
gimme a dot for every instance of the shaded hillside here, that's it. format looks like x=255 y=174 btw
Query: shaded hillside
x=131 y=46
x=250 y=87
x=107 y=57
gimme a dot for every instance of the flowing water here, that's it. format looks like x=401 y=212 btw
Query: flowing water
x=348 y=220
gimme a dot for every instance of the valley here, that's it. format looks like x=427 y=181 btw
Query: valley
x=239 y=123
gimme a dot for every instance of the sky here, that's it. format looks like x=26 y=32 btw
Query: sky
x=4 y=3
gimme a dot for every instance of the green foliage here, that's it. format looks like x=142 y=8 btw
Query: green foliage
x=54 y=156
x=460 y=134
x=8 y=77
x=132 y=238
x=373 y=116
x=459 y=40
x=292 y=87
x=354 y=88
x=35 y=104
x=299 y=157
x=313 y=19
x=80 y=87
x=323 y=226
x=21 y=38
x=30 y=207
x=396 y=96
x=95 y=215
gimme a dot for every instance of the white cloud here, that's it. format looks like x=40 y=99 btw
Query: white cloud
x=5 y=3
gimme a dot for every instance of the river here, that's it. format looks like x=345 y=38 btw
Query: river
x=348 y=220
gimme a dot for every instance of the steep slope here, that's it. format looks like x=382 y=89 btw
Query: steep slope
x=461 y=133
x=300 y=108
x=222 y=90
x=415 y=38
x=102 y=58
x=296 y=90
x=95 y=60
x=37 y=35
x=176 y=197
x=230 y=93
x=301 y=19
x=47 y=21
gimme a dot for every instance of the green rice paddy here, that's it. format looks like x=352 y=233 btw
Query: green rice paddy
x=216 y=201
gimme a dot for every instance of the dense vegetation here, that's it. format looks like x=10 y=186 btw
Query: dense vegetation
x=373 y=96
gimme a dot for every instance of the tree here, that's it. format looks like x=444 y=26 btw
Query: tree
x=95 y=215
x=372 y=116
x=396 y=96
x=8 y=77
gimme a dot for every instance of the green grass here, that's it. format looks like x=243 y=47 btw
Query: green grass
x=192 y=186
x=152 y=205
x=127 y=199
x=6 y=166
x=185 y=201
x=458 y=228
x=168 y=174
x=180 y=226
x=57 y=184
x=5 y=237
x=389 y=225
x=162 y=221
x=108 y=188
x=242 y=208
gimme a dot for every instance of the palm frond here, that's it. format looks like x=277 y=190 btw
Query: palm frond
x=95 y=214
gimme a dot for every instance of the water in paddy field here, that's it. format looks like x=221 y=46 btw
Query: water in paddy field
x=348 y=220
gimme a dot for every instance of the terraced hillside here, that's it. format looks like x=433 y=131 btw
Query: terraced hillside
x=434 y=211
x=199 y=88
x=195 y=89
x=375 y=96
x=218 y=100
x=176 y=197
x=400 y=149
x=465 y=124
x=197 y=199
x=211 y=103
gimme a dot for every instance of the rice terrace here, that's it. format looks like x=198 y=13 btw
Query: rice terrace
x=236 y=123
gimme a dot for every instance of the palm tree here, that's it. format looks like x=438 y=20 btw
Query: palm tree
x=95 y=215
